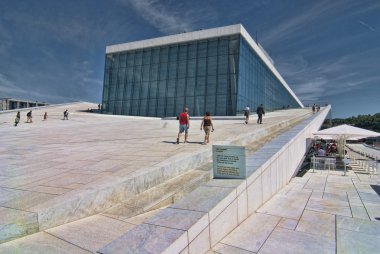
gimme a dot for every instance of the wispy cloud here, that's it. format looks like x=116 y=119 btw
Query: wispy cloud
x=367 y=26
x=170 y=18
x=5 y=38
x=156 y=14
x=292 y=26
x=315 y=81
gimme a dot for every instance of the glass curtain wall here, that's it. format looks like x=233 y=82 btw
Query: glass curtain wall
x=161 y=81
x=258 y=85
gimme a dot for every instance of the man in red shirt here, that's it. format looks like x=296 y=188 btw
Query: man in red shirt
x=184 y=124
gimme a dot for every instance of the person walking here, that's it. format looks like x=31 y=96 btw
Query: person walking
x=184 y=124
x=66 y=115
x=29 y=117
x=17 y=119
x=260 y=112
x=246 y=113
x=207 y=127
x=45 y=116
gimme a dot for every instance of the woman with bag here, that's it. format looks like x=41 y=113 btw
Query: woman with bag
x=207 y=127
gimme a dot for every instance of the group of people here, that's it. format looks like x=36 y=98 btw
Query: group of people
x=315 y=107
x=29 y=117
x=325 y=149
x=259 y=111
x=184 y=125
x=207 y=126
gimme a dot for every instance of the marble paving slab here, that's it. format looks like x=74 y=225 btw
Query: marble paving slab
x=145 y=238
x=91 y=233
x=358 y=225
x=355 y=242
x=294 y=242
x=329 y=206
x=317 y=223
x=287 y=207
x=252 y=233
x=40 y=243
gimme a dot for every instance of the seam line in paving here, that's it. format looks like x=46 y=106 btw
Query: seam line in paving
x=303 y=210
x=236 y=247
x=317 y=211
x=110 y=217
x=1 y=205
x=324 y=187
x=27 y=190
x=66 y=241
x=349 y=204
x=270 y=233
x=353 y=183
x=156 y=225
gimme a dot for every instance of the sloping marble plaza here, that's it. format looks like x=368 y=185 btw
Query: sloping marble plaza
x=80 y=186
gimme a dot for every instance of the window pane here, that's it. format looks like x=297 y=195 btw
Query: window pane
x=138 y=58
x=146 y=56
x=182 y=69
x=191 y=68
x=182 y=52
x=155 y=55
x=170 y=92
x=164 y=54
x=123 y=60
x=181 y=87
x=212 y=48
x=162 y=89
x=200 y=86
x=130 y=58
x=201 y=67
x=192 y=51
x=202 y=49
x=190 y=87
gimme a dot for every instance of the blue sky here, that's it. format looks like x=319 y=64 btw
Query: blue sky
x=327 y=51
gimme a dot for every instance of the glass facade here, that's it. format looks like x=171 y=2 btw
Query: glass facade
x=257 y=84
x=220 y=75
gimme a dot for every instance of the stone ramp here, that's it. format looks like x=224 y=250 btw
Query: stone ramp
x=201 y=219
x=65 y=191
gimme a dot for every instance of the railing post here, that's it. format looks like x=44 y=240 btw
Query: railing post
x=344 y=163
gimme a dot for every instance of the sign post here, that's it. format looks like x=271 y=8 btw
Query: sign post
x=229 y=162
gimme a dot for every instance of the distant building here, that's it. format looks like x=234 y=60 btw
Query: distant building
x=220 y=70
x=9 y=104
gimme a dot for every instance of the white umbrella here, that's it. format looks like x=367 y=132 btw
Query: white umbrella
x=345 y=132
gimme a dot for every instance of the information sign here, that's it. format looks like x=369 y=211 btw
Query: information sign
x=229 y=162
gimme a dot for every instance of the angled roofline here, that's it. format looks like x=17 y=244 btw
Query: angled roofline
x=199 y=35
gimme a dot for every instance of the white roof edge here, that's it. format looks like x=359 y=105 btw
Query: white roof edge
x=176 y=38
x=199 y=35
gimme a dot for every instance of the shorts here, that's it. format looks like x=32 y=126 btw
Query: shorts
x=183 y=128
x=207 y=129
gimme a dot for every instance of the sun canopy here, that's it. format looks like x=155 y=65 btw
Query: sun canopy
x=346 y=132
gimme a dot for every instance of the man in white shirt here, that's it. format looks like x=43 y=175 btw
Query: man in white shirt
x=321 y=152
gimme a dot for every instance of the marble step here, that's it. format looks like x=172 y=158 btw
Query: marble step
x=161 y=195
x=119 y=219
x=113 y=190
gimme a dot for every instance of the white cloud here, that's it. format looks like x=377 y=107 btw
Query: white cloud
x=172 y=18
x=367 y=26
x=158 y=15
